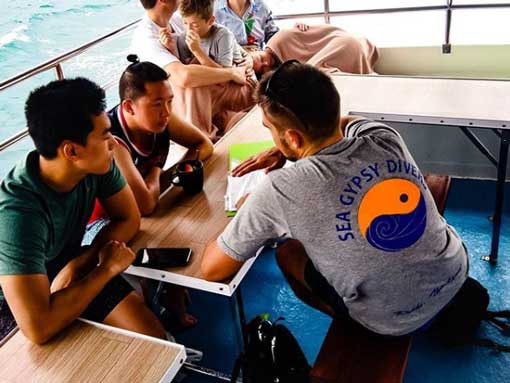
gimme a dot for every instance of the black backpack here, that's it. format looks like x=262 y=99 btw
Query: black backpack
x=459 y=321
x=272 y=355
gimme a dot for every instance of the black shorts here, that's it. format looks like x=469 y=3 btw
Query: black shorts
x=7 y=322
x=104 y=303
x=321 y=287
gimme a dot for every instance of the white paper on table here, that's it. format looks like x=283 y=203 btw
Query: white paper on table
x=239 y=186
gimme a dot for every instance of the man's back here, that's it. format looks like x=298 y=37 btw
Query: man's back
x=368 y=223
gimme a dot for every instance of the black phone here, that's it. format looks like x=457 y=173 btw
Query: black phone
x=159 y=258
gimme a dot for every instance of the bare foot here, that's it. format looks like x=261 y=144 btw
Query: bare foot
x=188 y=320
x=176 y=299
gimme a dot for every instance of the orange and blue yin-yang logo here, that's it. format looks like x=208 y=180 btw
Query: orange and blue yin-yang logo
x=392 y=215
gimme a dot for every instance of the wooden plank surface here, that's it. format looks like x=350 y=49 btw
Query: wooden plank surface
x=86 y=353
x=193 y=221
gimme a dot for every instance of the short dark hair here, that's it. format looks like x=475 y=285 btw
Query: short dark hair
x=202 y=8
x=136 y=75
x=63 y=110
x=148 y=4
x=303 y=95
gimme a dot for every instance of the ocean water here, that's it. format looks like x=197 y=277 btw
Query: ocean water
x=34 y=31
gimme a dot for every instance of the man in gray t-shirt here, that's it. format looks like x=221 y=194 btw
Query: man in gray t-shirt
x=364 y=236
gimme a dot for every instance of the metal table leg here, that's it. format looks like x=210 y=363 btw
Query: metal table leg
x=500 y=188
x=237 y=308
x=238 y=313
x=242 y=318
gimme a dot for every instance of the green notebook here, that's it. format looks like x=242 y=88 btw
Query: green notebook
x=240 y=152
x=237 y=154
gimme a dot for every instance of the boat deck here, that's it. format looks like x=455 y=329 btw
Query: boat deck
x=265 y=291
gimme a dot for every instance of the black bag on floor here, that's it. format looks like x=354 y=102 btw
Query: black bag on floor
x=458 y=322
x=272 y=355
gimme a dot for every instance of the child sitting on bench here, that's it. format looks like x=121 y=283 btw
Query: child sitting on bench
x=205 y=41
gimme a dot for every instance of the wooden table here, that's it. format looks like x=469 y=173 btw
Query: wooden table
x=194 y=221
x=90 y=352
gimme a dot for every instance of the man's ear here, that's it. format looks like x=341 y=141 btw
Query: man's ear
x=127 y=106
x=211 y=21
x=69 y=150
x=294 y=139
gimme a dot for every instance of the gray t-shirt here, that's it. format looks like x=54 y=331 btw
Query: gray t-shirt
x=221 y=46
x=369 y=224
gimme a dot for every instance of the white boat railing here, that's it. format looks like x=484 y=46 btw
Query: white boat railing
x=327 y=13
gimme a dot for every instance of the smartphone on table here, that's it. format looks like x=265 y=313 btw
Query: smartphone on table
x=160 y=258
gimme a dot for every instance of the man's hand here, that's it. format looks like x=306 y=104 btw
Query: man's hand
x=252 y=81
x=166 y=39
x=193 y=41
x=116 y=257
x=302 y=26
x=270 y=159
x=75 y=270
x=246 y=61
x=239 y=75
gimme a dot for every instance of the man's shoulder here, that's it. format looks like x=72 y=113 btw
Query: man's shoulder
x=145 y=43
x=304 y=175
x=113 y=115
x=288 y=178
x=18 y=186
x=19 y=200
x=260 y=6
x=145 y=31
x=221 y=32
x=221 y=29
x=363 y=127
x=220 y=4
x=145 y=25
